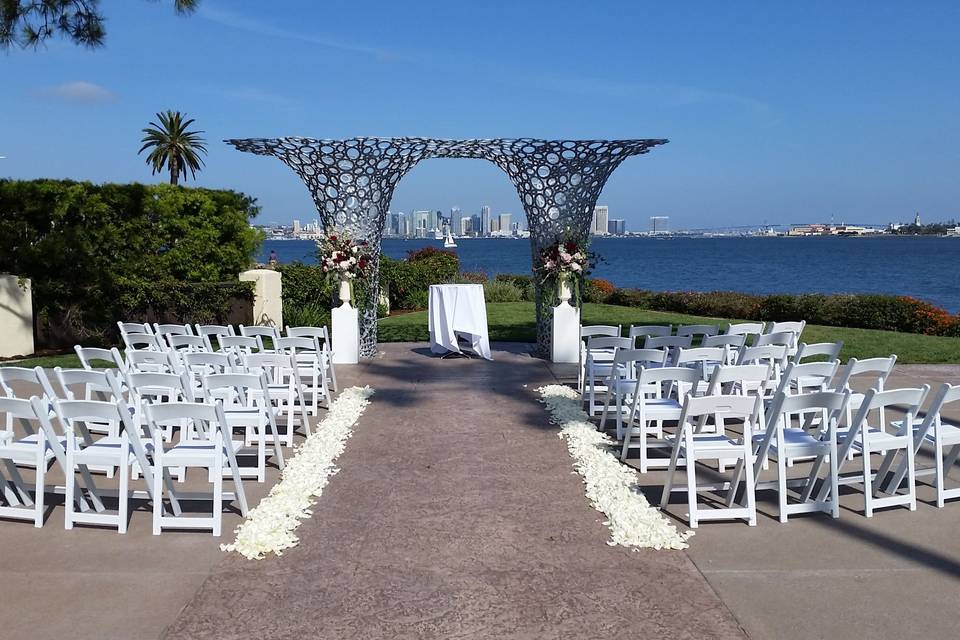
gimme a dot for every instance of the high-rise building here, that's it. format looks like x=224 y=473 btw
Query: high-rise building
x=504 y=224
x=296 y=227
x=617 y=227
x=494 y=225
x=601 y=214
x=475 y=225
x=455 y=216
x=464 y=225
x=484 y=221
x=403 y=227
x=659 y=224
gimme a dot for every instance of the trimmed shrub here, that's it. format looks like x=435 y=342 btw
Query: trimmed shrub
x=314 y=314
x=408 y=280
x=96 y=253
x=524 y=283
x=597 y=290
x=415 y=300
x=501 y=291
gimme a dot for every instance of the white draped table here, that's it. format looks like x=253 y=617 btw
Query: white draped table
x=458 y=309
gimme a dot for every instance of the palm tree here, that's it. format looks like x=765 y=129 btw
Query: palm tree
x=173 y=146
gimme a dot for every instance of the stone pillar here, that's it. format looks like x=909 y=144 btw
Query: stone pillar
x=16 y=317
x=267 y=296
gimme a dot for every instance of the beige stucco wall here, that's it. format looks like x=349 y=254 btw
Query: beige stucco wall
x=267 y=300
x=16 y=317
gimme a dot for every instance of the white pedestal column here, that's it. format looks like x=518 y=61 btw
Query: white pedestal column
x=346 y=334
x=566 y=333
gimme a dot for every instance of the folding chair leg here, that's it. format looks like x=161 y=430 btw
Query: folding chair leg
x=867 y=480
x=911 y=478
x=217 y=505
x=38 y=495
x=782 y=486
x=123 y=497
x=692 y=491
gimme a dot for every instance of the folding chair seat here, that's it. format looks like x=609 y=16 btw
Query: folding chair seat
x=690 y=445
x=322 y=336
x=781 y=441
x=655 y=401
x=940 y=435
x=245 y=407
x=206 y=443
x=598 y=366
x=888 y=440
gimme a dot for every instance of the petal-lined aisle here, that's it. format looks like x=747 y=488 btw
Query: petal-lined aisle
x=455 y=514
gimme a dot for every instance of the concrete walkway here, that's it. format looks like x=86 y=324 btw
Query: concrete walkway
x=456 y=514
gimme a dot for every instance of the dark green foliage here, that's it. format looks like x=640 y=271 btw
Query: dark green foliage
x=501 y=291
x=408 y=280
x=304 y=285
x=96 y=253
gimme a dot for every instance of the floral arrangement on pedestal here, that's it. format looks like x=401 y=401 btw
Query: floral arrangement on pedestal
x=564 y=261
x=346 y=259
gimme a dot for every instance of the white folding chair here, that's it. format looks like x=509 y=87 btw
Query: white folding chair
x=25 y=382
x=593 y=331
x=882 y=438
x=246 y=406
x=793 y=327
x=734 y=343
x=134 y=327
x=164 y=330
x=943 y=437
x=598 y=363
x=691 y=445
x=875 y=370
x=703 y=359
x=824 y=350
x=284 y=388
x=321 y=335
x=655 y=401
x=745 y=329
x=143 y=342
x=781 y=441
x=622 y=382
x=238 y=346
x=205 y=443
x=147 y=361
x=310 y=359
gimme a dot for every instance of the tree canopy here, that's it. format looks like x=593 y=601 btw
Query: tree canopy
x=30 y=23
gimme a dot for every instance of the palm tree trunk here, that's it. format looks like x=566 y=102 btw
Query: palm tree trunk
x=174 y=171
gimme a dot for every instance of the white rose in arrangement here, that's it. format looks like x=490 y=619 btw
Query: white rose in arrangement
x=575 y=267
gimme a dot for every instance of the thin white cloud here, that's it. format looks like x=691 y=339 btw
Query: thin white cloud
x=243 y=23
x=77 y=92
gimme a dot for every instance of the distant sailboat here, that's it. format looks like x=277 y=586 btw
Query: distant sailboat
x=448 y=242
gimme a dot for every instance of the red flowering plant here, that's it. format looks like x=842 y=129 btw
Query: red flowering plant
x=344 y=257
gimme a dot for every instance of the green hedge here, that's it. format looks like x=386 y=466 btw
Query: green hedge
x=96 y=253
x=407 y=280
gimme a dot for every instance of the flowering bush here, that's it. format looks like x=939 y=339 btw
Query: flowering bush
x=341 y=256
x=567 y=257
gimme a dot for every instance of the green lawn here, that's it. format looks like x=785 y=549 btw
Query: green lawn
x=514 y=322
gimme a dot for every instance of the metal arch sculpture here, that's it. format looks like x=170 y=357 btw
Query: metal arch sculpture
x=352 y=183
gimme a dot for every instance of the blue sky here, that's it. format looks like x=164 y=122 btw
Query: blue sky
x=777 y=112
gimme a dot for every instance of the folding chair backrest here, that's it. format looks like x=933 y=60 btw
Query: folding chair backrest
x=35 y=380
x=320 y=333
x=808 y=372
x=172 y=329
x=784 y=338
x=728 y=407
x=181 y=342
x=664 y=342
x=19 y=411
x=698 y=330
x=200 y=363
x=794 y=327
x=296 y=344
x=644 y=330
x=776 y=354
x=260 y=332
x=233 y=389
x=92 y=381
x=88 y=355
x=669 y=374
x=595 y=330
x=701 y=355
x=206 y=419
x=79 y=415
x=206 y=331
x=946 y=394
x=729 y=380
x=826 y=350
x=878 y=370
x=143 y=342
x=238 y=345
x=148 y=361
x=594 y=343
x=734 y=341
x=745 y=329
x=829 y=404
x=134 y=327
